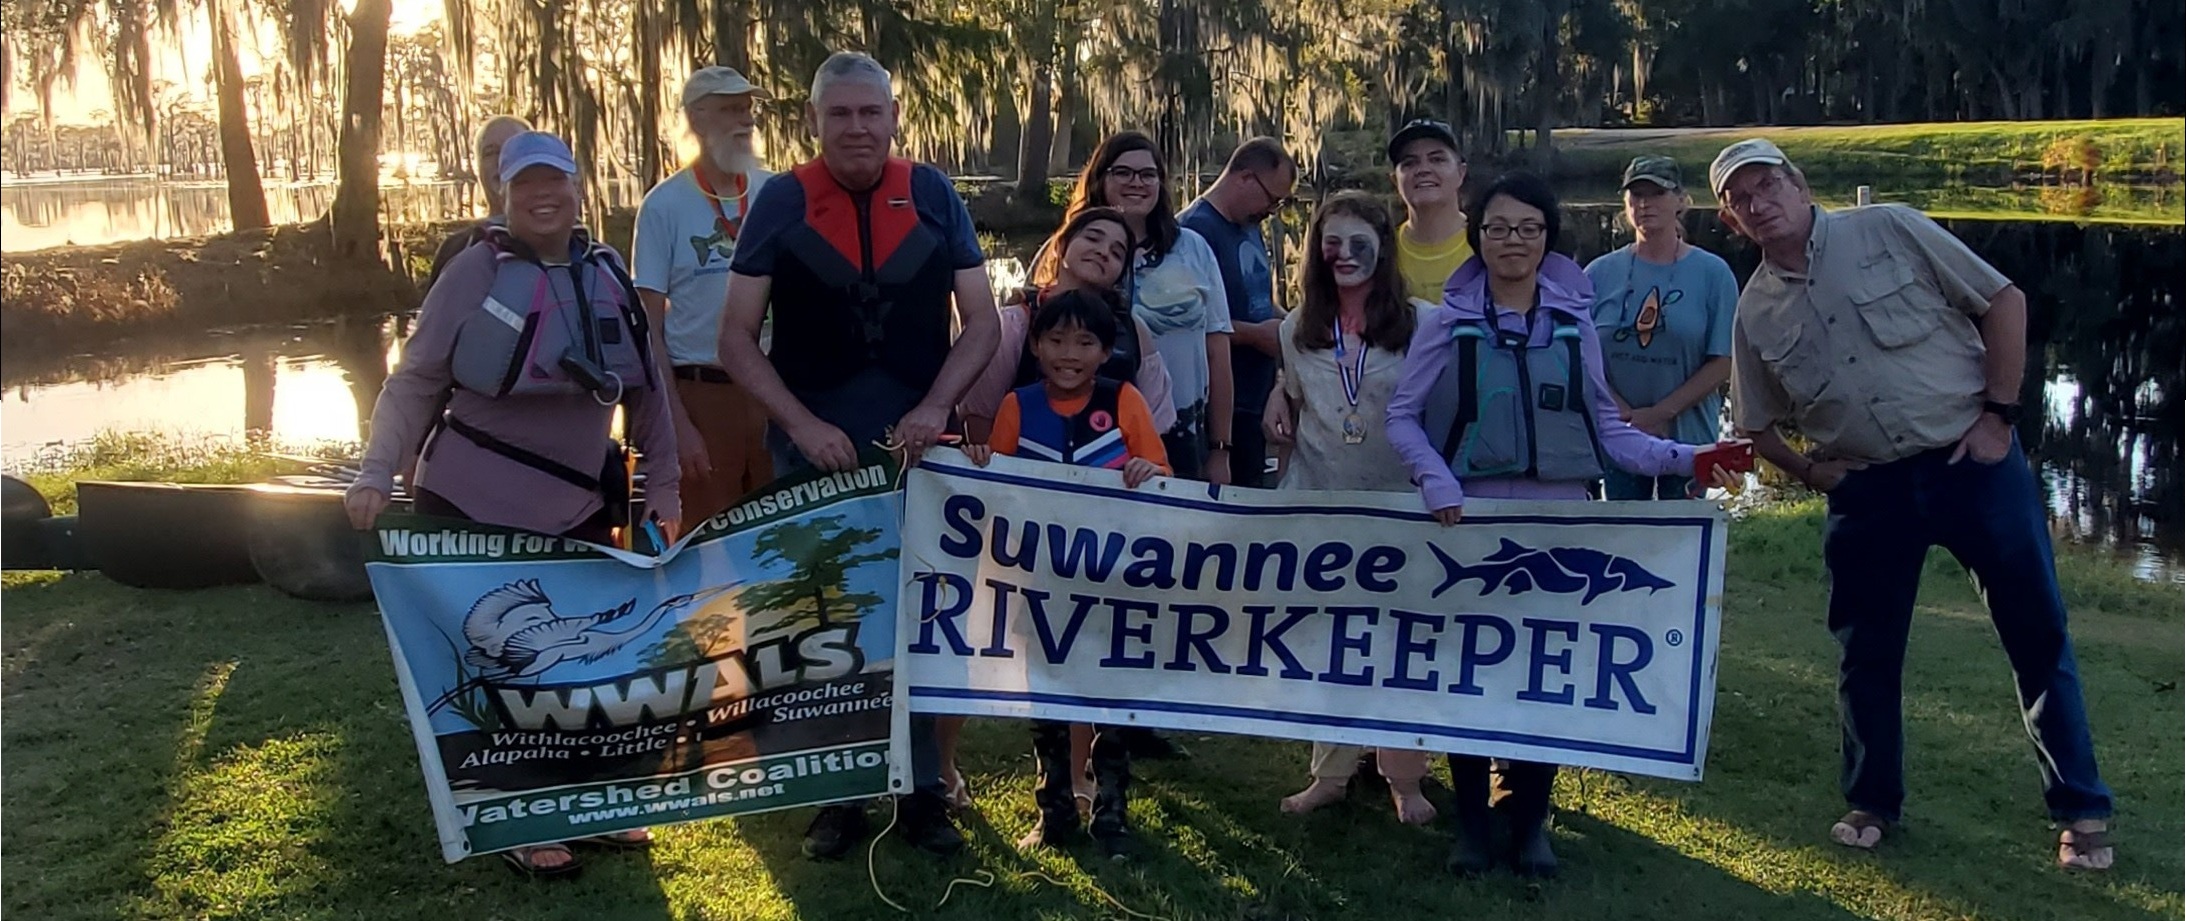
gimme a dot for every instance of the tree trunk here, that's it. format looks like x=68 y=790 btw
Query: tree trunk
x=732 y=35
x=355 y=215
x=646 y=50
x=246 y=193
x=1066 y=109
x=1547 y=82
x=1032 y=151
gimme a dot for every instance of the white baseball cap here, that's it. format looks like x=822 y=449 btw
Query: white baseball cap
x=718 y=81
x=1744 y=153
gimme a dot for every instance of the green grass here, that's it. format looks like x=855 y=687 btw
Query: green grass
x=136 y=456
x=1969 y=151
x=234 y=753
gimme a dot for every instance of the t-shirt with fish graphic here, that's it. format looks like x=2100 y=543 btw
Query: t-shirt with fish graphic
x=1658 y=324
x=683 y=249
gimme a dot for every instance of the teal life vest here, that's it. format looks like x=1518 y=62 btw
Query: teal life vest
x=1504 y=406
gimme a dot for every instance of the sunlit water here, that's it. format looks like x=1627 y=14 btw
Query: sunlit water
x=2106 y=300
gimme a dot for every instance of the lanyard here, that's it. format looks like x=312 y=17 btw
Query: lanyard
x=728 y=226
x=1352 y=377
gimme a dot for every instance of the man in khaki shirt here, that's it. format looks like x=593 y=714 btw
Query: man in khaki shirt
x=1899 y=354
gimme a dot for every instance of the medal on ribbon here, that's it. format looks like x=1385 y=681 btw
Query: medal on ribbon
x=1353 y=377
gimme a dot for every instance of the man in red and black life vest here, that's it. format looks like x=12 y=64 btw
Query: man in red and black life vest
x=859 y=253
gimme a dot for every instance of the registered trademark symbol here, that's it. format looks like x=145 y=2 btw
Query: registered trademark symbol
x=1675 y=638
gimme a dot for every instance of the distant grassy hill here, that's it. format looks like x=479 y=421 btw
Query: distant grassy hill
x=2139 y=149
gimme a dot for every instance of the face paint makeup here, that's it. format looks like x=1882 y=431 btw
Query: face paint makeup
x=1351 y=248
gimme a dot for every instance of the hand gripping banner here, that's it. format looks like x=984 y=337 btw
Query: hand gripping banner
x=558 y=689
x=1579 y=633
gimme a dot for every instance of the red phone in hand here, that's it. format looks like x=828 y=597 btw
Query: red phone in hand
x=1734 y=456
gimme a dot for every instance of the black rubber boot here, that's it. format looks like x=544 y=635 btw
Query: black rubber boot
x=1526 y=807
x=1057 y=824
x=1146 y=745
x=924 y=818
x=1474 y=851
x=1111 y=764
x=836 y=830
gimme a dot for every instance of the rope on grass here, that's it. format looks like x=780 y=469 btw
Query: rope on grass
x=984 y=879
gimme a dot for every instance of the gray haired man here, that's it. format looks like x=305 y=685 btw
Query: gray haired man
x=866 y=260
x=1898 y=353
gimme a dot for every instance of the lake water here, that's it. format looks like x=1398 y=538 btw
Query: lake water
x=2106 y=332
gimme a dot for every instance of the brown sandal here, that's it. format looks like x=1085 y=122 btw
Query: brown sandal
x=2084 y=850
x=525 y=860
x=1862 y=830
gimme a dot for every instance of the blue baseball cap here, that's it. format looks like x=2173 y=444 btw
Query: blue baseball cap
x=535 y=148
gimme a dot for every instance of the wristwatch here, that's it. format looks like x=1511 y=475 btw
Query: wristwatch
x=1213 y=446
x=2009 y=412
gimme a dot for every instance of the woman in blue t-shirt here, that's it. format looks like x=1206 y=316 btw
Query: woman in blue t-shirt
x=1663 y=310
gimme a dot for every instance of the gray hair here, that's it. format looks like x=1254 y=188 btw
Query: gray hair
x=499 y=122
x=852 y=66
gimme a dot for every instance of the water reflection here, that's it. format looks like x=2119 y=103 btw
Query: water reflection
x=97 y=211
x=2104 y=360
x=2104 y=345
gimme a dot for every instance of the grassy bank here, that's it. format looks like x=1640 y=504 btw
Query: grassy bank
x=1976 y=152
x=139 y=457
x=233 y=753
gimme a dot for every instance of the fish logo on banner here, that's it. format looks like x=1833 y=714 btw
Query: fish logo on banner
x=1558 y=571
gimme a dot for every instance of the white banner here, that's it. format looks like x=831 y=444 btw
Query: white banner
x=1570 y=632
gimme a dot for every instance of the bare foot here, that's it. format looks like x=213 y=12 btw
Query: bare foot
x=1412 y=806
x=2085 y=845
x=1321 y=792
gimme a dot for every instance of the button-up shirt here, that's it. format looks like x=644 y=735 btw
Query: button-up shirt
x=1874 y=351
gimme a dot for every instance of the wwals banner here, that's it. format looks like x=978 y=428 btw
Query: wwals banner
x=558 y=689
x=1570 y=632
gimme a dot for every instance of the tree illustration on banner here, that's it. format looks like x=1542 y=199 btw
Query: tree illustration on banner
x=820 y=555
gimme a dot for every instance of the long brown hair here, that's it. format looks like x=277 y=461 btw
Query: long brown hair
x=1092 y=191
x=1047 y=264
x=1389 y=318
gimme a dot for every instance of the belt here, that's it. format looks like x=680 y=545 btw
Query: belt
x=705 y=374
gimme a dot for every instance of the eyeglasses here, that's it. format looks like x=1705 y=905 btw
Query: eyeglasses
x=1274 y=201
x=1766 y=188
x=1528 y=231
x=1126 y=175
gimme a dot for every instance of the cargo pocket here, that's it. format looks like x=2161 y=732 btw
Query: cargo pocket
x=1799 y=365
x=1890 y=305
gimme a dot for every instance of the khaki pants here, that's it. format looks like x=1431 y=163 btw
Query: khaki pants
x=733 y=426
x=1339 y=762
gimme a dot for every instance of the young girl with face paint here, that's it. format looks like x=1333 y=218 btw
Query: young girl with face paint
x=1341 y=354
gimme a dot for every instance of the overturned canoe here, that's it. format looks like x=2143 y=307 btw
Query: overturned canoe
x=165 y=535
x=301 y=543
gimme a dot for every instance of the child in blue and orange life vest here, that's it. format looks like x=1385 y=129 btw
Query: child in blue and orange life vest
x=1074 y=416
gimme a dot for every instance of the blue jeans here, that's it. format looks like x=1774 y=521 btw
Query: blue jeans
x=1619 y=486
x=1882 y=520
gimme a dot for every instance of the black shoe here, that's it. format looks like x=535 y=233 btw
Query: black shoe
x=1053 y=829
x=835 y=831
x=1474 y=852
x=1146 y=744
x=1116 y=844
x=925 y=822
x=1530 y=852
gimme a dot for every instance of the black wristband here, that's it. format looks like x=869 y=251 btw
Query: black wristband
x=1213 y=446
x=2009 y=412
